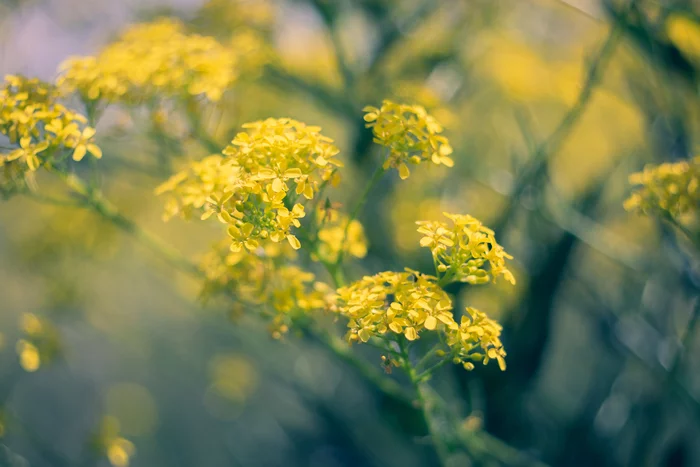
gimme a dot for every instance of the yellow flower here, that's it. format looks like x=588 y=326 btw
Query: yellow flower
x=83 y=145
x=410 y=134
x=158 y=58
x=29 y=356
x=391 y=306
x=477 y=339
x=461 y=251
x=28 y=153
x=331 y=234
x=255 y=187
x=41 y=128
x=394 y=303
x=671 y=189
x=263 y=281
x=684 y=33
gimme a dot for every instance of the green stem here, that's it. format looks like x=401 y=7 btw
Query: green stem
x=429 y=371
x=425 y=404
x=428 y=355
x=358 y=207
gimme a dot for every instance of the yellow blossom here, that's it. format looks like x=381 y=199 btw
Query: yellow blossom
x=411 y=135
x=461 y=250
x=394 y=303
x=157 y=58
x=256 y=187
x=332 y=233
x=477 y=339
x=668 y=189
x=263 y=281
x=392 y=306
x=42 y=131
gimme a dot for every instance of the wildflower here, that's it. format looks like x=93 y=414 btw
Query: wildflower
x=82 y=145
x=335 y=235
x=256 y=186
x=150 y=59
x=410 y=134
x=476 y=339
x=394 y=303
x=202 y=186
x=461 y=250
x=265 y=282
x=41 y=130
x=668 y=189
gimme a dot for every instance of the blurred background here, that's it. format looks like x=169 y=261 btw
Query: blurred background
x=549 y=104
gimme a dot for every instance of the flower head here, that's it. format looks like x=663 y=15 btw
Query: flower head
x=394 y=303
x=410 y=134
x=335 y=234
x=462 y=250
x=41 y=130
x=392 y=306
x=265 y=282
x=256 y=187
x=668 y=189
x=476 y=339
x=157 y=58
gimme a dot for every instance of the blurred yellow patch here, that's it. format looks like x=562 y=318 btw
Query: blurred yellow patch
x=684 y=33
x=29 y=357
x=233 y=376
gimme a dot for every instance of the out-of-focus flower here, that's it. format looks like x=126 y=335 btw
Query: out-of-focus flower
x=263 y=281
x=461 y=250
x=157 y=58
x=335 y=235
x=40 y=343
x=684 y=33
x=410 y=134
x=110 y=444
x=255 y=188
x=668 y=189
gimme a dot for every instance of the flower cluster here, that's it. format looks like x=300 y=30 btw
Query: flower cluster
x=158 y=58
x=461 y=250
x=477 y=338
x=264 y=280
x=39 y=344
x=410 y=134
x=395 y=305
x=193 y=190
x=666 y=189
x=403 y=303
x=40 y=130
x=336 y=235
x=254 y=188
